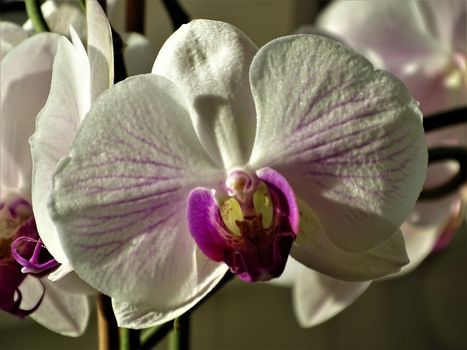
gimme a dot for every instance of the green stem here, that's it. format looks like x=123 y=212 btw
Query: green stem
x=33 y=8
x=180 y=336
x=129 y=339
x=154 y=335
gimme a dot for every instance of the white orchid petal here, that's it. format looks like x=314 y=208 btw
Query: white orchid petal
x=422 y=42
x=57 y=124
x=25 y=75
x=398 y=30
x=61 y=312
x=65 y=278
x=317 y=297
x=445 y=20
x=120 y=199
x=209 y=62
x=348 y=139
x=314 y=249
x=142 y=316
x=424 y=227
x=11 y=35
x=100 y=48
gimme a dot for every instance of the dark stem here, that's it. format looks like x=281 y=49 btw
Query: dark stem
x=103 y=4
x=153 y=337
x=134 y=19
x=119 y=62
x=106 y=324
x=180 y=336
x=443 y=154
x=129 y=339
x=33 y=8
x=445 y=119
x=177 y=14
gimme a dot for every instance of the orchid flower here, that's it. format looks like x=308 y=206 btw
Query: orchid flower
x=25 y=290
x=424 y=43
x=230 y=157
x=391 y=35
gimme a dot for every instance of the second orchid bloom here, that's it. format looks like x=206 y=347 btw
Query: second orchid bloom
x=227 y=156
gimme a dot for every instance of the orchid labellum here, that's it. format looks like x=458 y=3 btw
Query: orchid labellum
x=232 y=157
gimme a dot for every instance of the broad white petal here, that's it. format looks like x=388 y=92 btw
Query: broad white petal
x=424 y=227
x=209 y=62
x=25 y=75
x=57 y=124
x=143 y=316
x=438 y=84
x=100 y=48
x=65 y=278
x=314 y=249
x=139 y=54
x=317 y=297
x=446 y=20
x=11 y=35
x=61 y=312
x=396 y=31
x=120 y=200
x=348 y=139
x=421 y=42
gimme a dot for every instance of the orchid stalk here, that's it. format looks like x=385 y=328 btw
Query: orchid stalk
x=230 y=157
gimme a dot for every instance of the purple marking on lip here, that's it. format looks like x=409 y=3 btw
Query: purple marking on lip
x=258 y=253
x=29 y=251
x=11 y=276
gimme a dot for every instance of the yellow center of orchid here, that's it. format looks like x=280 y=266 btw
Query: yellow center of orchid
x=245 y=205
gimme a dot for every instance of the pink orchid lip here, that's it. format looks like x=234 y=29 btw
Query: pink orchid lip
x=11 y=276
x=257 y=253
x=26 y=247
x=16 y=246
